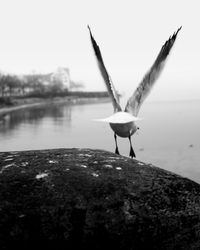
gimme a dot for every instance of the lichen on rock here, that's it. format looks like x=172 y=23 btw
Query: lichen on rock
x=93 y=199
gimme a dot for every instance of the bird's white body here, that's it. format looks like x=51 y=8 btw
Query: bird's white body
x=120 y=117
x=122 y=123
x=124 y=129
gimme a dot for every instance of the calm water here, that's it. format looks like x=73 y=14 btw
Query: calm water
x=169 y=134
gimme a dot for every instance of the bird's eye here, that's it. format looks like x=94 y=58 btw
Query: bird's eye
x=138 y=128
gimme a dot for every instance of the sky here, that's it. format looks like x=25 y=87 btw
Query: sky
x=41 y=35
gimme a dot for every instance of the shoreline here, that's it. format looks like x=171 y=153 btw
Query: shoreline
x=56 y=100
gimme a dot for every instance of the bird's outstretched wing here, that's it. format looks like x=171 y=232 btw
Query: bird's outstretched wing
x=110 y=87
x=135 y=101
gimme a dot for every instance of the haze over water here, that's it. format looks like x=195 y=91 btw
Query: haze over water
x=168 y=135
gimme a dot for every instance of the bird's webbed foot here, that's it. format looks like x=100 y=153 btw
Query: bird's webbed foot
x=132 y=153
x=116 y=149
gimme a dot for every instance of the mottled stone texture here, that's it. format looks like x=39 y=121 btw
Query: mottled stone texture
x=93 y=199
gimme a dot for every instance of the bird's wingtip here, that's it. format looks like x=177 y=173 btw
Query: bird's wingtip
x=89 y=29
x=178 y=29
x=175 y=34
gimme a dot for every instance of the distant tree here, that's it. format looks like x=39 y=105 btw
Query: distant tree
x=8 y=83
x=23 y=85
x=12 y=82
x=2 y=84
x=56 y=86
x=35 y=83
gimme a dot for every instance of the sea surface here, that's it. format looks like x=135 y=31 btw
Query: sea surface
x=169 y=135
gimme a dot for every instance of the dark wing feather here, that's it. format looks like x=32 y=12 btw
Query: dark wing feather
x=135 y=101
x=110 y=87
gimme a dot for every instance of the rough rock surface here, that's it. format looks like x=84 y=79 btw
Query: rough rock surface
x=92 y=199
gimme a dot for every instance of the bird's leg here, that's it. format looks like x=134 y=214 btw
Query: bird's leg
x=132 y=153
x=116 y=150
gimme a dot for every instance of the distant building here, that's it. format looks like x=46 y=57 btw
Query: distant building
x=60 y=74
x=37 y=83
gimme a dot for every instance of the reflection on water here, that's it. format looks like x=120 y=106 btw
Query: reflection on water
x=51 y=126
x=34 y=116
x=168 y=135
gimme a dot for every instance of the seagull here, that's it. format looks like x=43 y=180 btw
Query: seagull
x=123 y=123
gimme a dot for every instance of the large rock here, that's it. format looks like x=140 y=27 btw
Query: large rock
x=92 y=199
